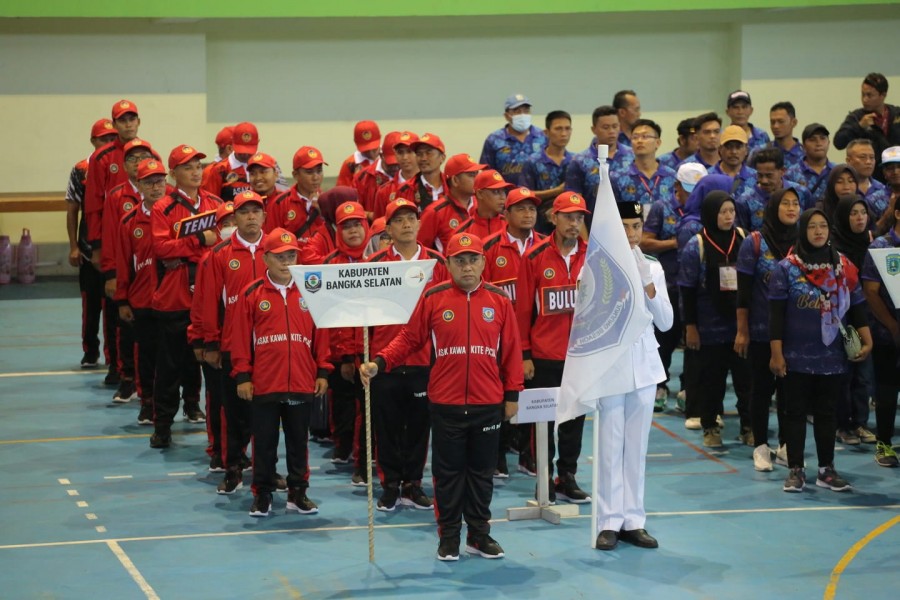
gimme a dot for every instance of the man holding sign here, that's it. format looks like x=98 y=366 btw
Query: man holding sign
x=475 y=382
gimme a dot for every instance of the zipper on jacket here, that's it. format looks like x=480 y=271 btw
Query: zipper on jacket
x=287 y=320
x=468 y=346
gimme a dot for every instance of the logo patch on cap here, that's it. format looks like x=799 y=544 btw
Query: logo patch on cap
x=520 y=97
x=638 y=208
x=465 y=241
x=487 y=313
x=312 y=154
x=575 y=199
x=124 y=104
x=498 y=177
x=447 y=315
x=246 y=137
x=549 y=273
x=108 y=125
x=265 y=305
x=138 y=233
x=152 y=164
x=286 y=238
x=405 y=136
x=186 y=149
x=248 y=194
x=367 y=135
x=234 y=264
x=258 y=157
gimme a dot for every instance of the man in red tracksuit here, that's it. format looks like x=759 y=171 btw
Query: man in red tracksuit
x=407 y=168
x=503 y=255
x=441 y=219
x=280 y=362
x=367 y=138
x=369 y=179
x=297 y=209
x=475 y=382
x=400 y=396
x=487 y=214
x=262 y=170
x=228 y=177
x=429 y=185
x=545 y=304
x=136 y=279
x=176 y=262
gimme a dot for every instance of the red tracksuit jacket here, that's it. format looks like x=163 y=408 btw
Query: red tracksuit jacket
x=439 y=221
x=135 y=271
x=367 y=181
x=106 y=171
x=275 y=343
x=119 y=202
x=502 y=261
x=224 y=181
x=478 y=355
x=480 y=226
x=288 y=210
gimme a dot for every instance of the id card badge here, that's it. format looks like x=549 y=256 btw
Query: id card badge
x=727 y=279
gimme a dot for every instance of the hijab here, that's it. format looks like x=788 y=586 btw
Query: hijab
x=356 y=253
x=330 y=200
x=780 y=238
x=853 y=245
x=720 y=247
x=706 y=185
x=830 y=199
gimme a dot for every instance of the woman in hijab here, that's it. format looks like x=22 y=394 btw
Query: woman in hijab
x=814 y=294
x=323 y=241
x=760 y=252
x=842 y=181
x=708 y=282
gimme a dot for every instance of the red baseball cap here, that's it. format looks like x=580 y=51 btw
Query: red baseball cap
x=366 y=136
x=308 y=157
x=377 y=227
x=461 y=243
x=182 y=154
x=263 y=160
x=123 y=107
x=399 y=204
x=349 y=210
x=387 y=148
x=406 y=138
x=103 y=127
x=150 y=166
x=245 y=138
x=491 y=180
x=135 y=143
x=521 y=194
x=224 y=137
x=429 y=139
x=247 y=197
x=569 y=202
x=279 y=240
x=461 y=163
x=226 y=209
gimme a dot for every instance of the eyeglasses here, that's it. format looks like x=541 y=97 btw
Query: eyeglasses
x=643 y=136
x=134 y=158
x=155 y=182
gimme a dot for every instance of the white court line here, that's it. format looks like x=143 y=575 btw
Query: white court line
x=64 y=481
x=185 y=474
x=218 y=534
x=100 y=529
x=81 y=504
x=118 y=476
x=132 y=570
x=90 y=516
x=46 y=373
x=660 y=455
x=72 y=492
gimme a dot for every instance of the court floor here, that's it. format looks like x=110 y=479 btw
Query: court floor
x=89 y=510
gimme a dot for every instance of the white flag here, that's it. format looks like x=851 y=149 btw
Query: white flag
x=610 y=314
x=887 y=261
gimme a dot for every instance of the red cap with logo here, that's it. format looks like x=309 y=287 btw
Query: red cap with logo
x=491 y=180
x=226 y=209
x=461 y=243
x=224 y=137
x=182 y=154
x=387 y=148
x=279 y=240
x=150 y=166
x=123 y=107
x=245 y=138
x=135 y=143
x=248 y=197
x=406 y=138
x=461 y=163
x=521 y=194
x=569 y=202
x=263 y=160
x=429 y=139
x=103 y=127
x=349 y=210
x=377 y=226
x=399 y=204
x=308 y=157
x=366 y=136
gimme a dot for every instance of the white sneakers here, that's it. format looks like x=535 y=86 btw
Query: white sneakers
x=762 y=458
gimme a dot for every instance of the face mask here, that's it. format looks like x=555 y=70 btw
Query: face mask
x=521 y=123
x=227 y=232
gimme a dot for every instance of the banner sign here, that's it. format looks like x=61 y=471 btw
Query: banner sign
x=887 y=260
x=536 y=405
x=195 y=224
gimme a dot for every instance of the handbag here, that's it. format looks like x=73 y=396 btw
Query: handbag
x=852 y=343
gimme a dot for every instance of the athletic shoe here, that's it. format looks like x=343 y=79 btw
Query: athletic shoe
x=746 y=437
x=692 y=423
x=448 y=549
x=567 y=489
x=527 y=466
x=781 y=458
x=125 y=393
x=414 y=496
x=193 y=414
x=680 y=401
x=340 y=457
x=551 y=493
x=232 y=482
x=720 y=422
x=795 y=481
x=90 y=360
x=662 y=399
x=388 y=501
x=161 y=439
x=145 y=416
x=885 y=455
x=712 y=437
x=502 y=470
x=865 y=436
x=112 y=377
x=215 y=464
x=262 y=504
x=280 y=483
x=829 y=478
x=299 y=501
x=762 y=458
x=484 y=546
x=848 y=438
x=358 y=479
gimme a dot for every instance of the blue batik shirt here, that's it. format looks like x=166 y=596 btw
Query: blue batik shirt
x=792 y=157
x=542 y=173
x=877 y=198
x=583 y=174
x=745 y=180
x=663 y=221
x=756 y=259
x=714 y=327
x=812 y=182
x=758 y=139
x=505 y=153
x=634 y=186
x=750 y=207
x=696 y=158
x=670 y=159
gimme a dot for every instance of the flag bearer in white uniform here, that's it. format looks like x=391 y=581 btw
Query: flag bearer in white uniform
x=625 y=415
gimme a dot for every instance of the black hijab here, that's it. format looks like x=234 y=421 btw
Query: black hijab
x=853 y=245
x=830 y=199
x=808 y=253
x=726 y=240
x=779 y=237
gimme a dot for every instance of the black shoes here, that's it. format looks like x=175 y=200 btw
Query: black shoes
x=448 y=549
x=126 y=392
x=145 y=416
x=413 y=495
x=90 y=360
x=567 y=489
x=484 y=546
x=390 y=495
x=193 y=414
x=639 y=538
x=232 y=482
x=607 y=539
x=112 y=377
x=298 y=500
x=262 y=504
x=161 y=438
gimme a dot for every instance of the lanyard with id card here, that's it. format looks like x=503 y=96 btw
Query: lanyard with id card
x=727 y=273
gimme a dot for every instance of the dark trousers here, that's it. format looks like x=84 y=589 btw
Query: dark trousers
x=668 y=340
x=402 y=424
x=238 y=418
x=175 y=367
x=345 y=401
x=215 y=386
x=124 y=343
x=713 y=364
x=807 y=394
x=293 y=416
x=887 y=383
x=94 y=303
x=146 y=334
x=690 y=383
x=764 y=385
x=852 y=410
x=548 y=373
x=463 y=459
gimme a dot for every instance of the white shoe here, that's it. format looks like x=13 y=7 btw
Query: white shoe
x=781 y=455
x=762 y=458
x=692 y=423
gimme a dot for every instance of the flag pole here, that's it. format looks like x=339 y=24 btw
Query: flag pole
x=368 y=471
x=595 y=485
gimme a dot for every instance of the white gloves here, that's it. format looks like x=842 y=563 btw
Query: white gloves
x=643 y=266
